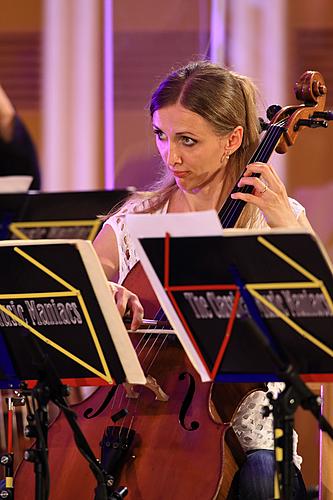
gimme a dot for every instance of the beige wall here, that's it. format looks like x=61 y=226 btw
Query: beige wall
x=21 y=15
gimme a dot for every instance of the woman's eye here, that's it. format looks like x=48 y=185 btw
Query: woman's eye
x=159 y=133
x=188 y=141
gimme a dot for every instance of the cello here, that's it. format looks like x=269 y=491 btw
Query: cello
x=150 y=432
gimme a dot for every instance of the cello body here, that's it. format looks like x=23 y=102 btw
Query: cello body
x=164 y=460
x=163 y=440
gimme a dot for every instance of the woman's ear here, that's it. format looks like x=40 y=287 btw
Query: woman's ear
x=235 y=139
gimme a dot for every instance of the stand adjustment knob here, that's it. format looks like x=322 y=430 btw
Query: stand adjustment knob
x=5 y=494
x=6 y=459
x=120 y=493
x=110 y=481
x=30 y=431
x=31 y=456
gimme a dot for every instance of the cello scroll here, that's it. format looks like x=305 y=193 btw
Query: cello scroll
x=312 y=91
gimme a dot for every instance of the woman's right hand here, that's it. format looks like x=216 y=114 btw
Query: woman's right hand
x=126 y=301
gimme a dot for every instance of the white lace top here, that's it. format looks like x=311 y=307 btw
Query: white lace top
x=252 y=429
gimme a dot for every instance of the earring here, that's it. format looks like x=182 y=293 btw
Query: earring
x=226 y=155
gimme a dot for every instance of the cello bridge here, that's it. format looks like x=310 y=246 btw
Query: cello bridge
x=152 y=384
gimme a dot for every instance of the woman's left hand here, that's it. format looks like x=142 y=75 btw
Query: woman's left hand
x=269 y=195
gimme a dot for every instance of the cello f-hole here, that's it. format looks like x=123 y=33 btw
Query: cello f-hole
x=88 y=412
x=187 y=402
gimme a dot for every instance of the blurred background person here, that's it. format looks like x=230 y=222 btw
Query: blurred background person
x=18 y=154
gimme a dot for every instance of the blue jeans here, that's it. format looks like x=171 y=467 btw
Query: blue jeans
x=256 y=478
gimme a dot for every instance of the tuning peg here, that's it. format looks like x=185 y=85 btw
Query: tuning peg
x=311 y=123
x=263 y=125
x=326 y=115
x=272 y=110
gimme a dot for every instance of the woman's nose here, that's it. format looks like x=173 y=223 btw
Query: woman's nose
x=173 y=155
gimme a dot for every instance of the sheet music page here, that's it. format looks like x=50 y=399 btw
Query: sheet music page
x=204 y=223
x=119 y=334
x=15 y=183
x=98 y=281
x=296 y=253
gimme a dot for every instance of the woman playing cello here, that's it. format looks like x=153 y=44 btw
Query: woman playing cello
x=205 y=122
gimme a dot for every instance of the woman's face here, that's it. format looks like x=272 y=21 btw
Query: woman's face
x=189 y=147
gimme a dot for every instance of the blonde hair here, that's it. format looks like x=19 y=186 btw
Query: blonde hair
x=226 y=100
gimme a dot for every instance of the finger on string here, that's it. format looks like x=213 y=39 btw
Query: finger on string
x=248 y=198
x=258 y=168
x=257 y=183
x=267 y=176
x=265 y=170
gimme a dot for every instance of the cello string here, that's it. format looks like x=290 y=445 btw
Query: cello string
x=165 y=337
x=145 y=339
x=154 y=332
x=270 y=143
x=121 y=391
x=114 y=405
x=159 y=316
x=139 y=348
x=133 y=414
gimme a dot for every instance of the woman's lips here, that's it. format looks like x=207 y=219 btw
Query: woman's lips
x=179 y=173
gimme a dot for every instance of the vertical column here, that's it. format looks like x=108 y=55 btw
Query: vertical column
x=326 y=478
x=109 y=175
x=71 y=98
x=218 y=31
x=85 y=96
x=55 y=95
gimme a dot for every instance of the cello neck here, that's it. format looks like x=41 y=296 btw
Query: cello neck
x=232 y=209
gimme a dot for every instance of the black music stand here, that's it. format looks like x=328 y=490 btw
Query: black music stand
x=57 y=215
x=222 y=293
x=59 y=324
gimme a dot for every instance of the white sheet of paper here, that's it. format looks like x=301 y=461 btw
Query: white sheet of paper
x=187 y=224
x=15 y=183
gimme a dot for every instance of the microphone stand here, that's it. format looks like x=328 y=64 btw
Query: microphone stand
x=49 y=388
x=283 y=408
